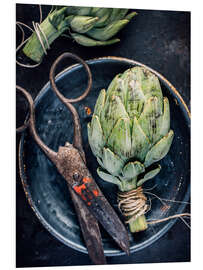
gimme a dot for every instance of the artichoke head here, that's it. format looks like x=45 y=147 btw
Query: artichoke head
x=130 y=129
x=103 y=26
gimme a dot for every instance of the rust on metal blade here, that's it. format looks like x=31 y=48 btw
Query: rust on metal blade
x=71 y=165
x=90 y=230
x=105 y=214
x=90 y=193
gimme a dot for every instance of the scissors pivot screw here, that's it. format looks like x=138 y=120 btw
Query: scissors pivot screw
x=76 y=176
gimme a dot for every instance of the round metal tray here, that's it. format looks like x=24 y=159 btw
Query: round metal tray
x=46 y=190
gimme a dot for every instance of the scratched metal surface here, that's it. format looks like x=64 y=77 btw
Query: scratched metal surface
x=161 y=47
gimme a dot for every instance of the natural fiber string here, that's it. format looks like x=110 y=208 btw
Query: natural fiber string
x=162 y=199
x=170 y=217
x=39 y=32
x=134 y=204
x=151 y=188
x=40 y=13
x=23 y=41
x=167 y=218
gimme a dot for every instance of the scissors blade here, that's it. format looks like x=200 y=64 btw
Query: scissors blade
x=98 y=205
x=90 y=230
x=72 y=167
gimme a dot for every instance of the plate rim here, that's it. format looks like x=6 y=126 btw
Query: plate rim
x=23 y=177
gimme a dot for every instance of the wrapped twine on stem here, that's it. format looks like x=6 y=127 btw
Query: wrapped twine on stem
x=133 y=204
x=39 y=33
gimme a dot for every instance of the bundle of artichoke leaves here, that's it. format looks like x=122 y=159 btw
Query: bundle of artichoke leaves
x=88 y=26
x=130 y=132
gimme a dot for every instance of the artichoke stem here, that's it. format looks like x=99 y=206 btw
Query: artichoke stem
x=33 y=48
x=129 y=184
x=139 y=224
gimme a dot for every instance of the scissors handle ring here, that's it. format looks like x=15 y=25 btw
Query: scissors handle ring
x=31 y=123
x=30 y=101
x=52 y=78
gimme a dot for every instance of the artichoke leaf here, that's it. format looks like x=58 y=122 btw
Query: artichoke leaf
x=130 y=15
x=108 y=31
x=82 y=24
x=79 y=10
x=112 y=112
x=108 y=177
x=140 y=142
x=151 y=118
x=135 y=98
x=116 y=88
x=100 y=103
x=113 y=84
x=89 y=42
x=117 y=14
x=95 y=136
x=100 y=162
x=95 y=9
x=120 y=138
x=132 y=169
x=165 y=125
x=112 y=163
x=159 y=150
x=57 y=17
x=151 y=87
x=101 y=21
x=100 y=12
x=149 y=175
x=103 y=14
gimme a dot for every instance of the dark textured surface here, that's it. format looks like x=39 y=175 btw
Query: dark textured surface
x=158 y=39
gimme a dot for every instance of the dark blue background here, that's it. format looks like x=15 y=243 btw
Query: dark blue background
x=159 y=39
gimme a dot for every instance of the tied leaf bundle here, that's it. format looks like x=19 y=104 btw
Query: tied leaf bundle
x=129 y=133
x=88 y=26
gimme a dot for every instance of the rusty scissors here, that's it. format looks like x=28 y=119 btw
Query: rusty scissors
x=89 y=202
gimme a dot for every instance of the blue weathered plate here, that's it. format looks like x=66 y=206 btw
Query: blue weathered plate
x=46 y=190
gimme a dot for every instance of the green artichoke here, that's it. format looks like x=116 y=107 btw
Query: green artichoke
x=106 y=23
x=88 y=26
x=130 y=132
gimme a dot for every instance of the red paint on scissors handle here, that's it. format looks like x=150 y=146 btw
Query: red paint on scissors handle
x=87 y=180
x=78 y=190
x=95 y=192
x=90 y=193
